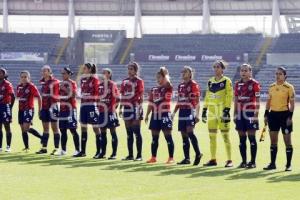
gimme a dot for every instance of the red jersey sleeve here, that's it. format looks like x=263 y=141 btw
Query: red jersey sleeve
x=10 y=89
x=256 y=88
x=96 y=87
x=74 y=89
x=195 y=89
x=236 y=89
x=168 y=95
x=34 y=91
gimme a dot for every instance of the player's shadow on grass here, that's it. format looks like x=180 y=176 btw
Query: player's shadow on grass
x=284 y=177
x=184 y=170
x=47 y=160
x=247 y=174
x=121 y=165
x=214 y=172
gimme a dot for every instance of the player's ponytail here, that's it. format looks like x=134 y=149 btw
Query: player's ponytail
x=68 y=70
x=91 y=67
x=163 y=71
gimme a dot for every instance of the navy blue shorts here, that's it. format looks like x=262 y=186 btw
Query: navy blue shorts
x=25 y=116
x=161 y=121
x=133 y=113
x=50 y=115
x=108 y=120
x=68 y=119
x=245 y=122
x=89 y=114
x=186 y=118
x=5 y=113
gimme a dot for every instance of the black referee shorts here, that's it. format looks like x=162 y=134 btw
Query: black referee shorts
x=277 y=120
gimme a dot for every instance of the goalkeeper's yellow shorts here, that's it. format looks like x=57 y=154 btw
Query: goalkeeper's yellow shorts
x=215 y=122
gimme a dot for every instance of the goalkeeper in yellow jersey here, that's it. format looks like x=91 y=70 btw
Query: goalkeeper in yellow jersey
x=216 y=111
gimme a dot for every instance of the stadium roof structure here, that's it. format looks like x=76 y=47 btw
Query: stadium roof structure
x=140 y=8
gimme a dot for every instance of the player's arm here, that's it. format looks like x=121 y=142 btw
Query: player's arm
x=37 y=95
x=268 y=106
x=291 y=104
x=228 y=101
x=12 y=96
x=141 y=89
x=205 y=105
x=257 y=101
x=149 y=107
x=196 y=95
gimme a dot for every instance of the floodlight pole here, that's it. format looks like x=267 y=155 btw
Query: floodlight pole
x=206 y=26
x=71 y=19
x=276 y=18
x=137 y=19
x=5 y=16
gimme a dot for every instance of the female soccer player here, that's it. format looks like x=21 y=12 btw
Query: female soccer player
x=132 y=91
x=50 y=110
x=26 y=92
x=218 y=101
x=161 y=120
x=108 y=119
x=68 y=111
x=189 y=107
x=279 y=115
x=89 y=112
x=246 y=107
x=7 y=100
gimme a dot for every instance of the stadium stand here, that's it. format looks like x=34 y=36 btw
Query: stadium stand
x=226 y=45
x=287 y=43
x=266 y=76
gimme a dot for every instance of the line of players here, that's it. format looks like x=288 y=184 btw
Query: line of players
x=100 y=98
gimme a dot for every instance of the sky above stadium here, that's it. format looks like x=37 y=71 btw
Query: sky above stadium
x=185 y=24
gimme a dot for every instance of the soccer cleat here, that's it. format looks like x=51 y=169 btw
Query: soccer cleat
x=80 y=154
x=99 y=156
x=25 y=150
x=152 y=160
x=251 y=165
x=54 y=152
x=170 y=161
x=112 y=157
x=198 y=159
x=60 y=153
x=288 y=168
x=229 y=163
x=128 y=158
x=138 y=158
x=8 y=150
x=76 y=153
x=211 y=163
x=184 y=162
x=41 y=151
x=242 y=165
x=270 y=167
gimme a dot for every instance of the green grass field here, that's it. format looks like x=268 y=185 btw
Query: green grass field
x=29 y=176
